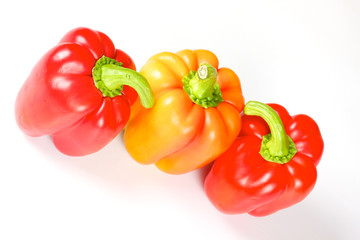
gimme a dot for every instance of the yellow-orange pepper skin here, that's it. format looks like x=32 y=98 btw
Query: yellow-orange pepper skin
x=177 y=134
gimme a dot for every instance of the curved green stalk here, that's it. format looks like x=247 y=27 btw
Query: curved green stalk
x=277 y=146
x=110 y=77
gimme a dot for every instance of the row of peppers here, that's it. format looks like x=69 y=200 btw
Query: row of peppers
x=181 y=112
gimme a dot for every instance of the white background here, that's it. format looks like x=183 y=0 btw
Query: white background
x=304 y=55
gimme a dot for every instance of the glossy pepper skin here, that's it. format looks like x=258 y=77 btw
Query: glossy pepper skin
x=61 y=98
x=196 y=115
x=243 y=181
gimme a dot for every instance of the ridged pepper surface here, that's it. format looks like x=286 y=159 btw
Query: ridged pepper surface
x=196 y=115
x=270 y=166
x=78 y=93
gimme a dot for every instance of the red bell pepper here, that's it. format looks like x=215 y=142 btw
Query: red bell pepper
x=270 y=166
x=77 y=93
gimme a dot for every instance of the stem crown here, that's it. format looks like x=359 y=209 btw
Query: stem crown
x=277 y=146
x=202 y=86
x=110 y=77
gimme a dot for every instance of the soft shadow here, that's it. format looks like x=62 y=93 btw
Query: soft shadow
x=114 y=168
x=295 y=223
x=111 y=166
x=203 y=172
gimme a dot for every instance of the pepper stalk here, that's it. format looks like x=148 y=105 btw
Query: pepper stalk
x=110 y=77
x=202 y=86
x=277 y=146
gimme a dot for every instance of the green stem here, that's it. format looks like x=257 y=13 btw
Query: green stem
x=110 y=77
x=277 y=146
x=202 y=86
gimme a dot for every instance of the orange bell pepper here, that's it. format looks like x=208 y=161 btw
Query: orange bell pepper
x=196 y=115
